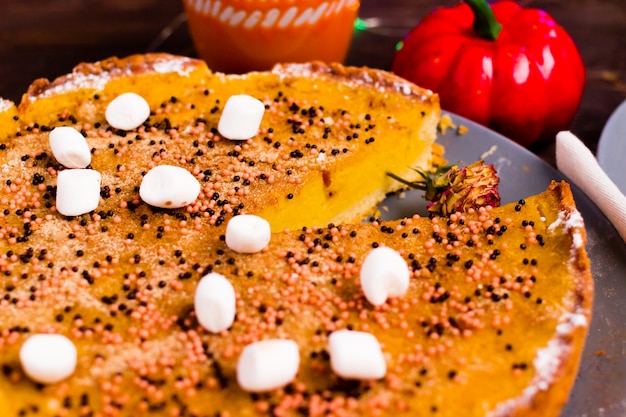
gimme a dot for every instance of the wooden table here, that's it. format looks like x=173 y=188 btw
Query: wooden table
x=46 y=38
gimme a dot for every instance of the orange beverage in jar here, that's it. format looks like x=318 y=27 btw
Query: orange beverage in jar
x=237 y=36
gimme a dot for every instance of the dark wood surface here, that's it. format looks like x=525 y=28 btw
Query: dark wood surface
x=47 y=38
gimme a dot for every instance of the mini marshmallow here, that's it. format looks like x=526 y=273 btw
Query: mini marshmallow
x=48 y=358
x=356 y=355
x=241 y=117
x=384 y=273
x=214 y=302
x=247 y=233
x=268 y=365
x=169 y=186
x=127 y=111
x=69 y=147
x=78 y=191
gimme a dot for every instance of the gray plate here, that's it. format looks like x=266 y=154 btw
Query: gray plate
x=600 y=387
x=612 y=147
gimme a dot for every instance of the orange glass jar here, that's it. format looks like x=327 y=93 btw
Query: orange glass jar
x=236 y=36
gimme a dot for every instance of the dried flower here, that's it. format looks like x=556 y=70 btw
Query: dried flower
x=450 y=188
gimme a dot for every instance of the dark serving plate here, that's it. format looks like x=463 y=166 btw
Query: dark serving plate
x=600 y=387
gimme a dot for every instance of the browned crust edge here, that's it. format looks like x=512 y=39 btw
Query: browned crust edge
x=113 y=66
x=358 y=75
x=144 y=63
x=91 y=78
x=549 y=402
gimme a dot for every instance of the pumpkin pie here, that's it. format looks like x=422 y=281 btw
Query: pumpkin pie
x=492 y=321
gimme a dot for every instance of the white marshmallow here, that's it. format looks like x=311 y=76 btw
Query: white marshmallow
x=169 y=186
x=356 y=355
x=127 y=111
x=78 y=191
x=69 y=147
x=384 y=273
x=268 y=365
x=241 y=117
x=214 y=302
x=48 y=358
x=247 y=233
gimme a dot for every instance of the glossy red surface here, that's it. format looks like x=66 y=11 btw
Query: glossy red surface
x=527 y=84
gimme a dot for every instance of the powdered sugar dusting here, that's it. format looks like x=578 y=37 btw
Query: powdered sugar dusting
x=547 y=363
x=79 y=80
x=571 y=321
x=406 y=89
x=5 y=105
x=173 y=65
x=548 y=360
x=295 y=68
x=74 y=82
x=578 y=240
x=568 y=221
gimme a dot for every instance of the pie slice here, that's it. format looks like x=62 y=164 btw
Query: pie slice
x=328 y=136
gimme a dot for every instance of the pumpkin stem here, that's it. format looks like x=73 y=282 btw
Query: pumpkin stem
x=485 y=23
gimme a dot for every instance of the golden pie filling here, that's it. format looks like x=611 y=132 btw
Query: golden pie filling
x=493 y=320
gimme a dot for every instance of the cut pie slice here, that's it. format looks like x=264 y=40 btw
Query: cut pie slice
x=328 y=136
